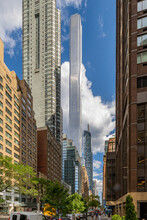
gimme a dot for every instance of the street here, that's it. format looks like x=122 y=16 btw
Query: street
x=99 y=218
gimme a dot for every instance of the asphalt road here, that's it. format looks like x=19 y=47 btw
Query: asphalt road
x=99 y=218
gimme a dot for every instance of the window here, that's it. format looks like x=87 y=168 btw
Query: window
x=1 y=87
x=1 y=95
x=16 y=113
x=23 y=119
x=8 y=197
x=9 y=97
x=16 y=141
x=1 y=112
x=1 y=104
x=1 y=129
x=1 y=121
x=16 y=148
x=8 y=88
x=23 y=100
x=8 y=111
x=1 y=79
x=8 y=119
x=8 y=103
x=142 y=82
x=142 y=57
x=1 y=146
x=16 y=99
x=16 y=134
x=142 y=5
x=16 y=119
x=8 y=78
x=8 y=127
x=8 y=135
x=141 y=113
x=24 y=114
x=141 y=137
x=142 y=22
x=8 y=143
x=8 y=151
x=142 y=40
x=15 y=104
x=16 y=155
x=1 y=138
x=17 y=128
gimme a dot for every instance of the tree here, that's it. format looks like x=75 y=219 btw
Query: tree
x=130 y=209
x=76 y=204
x=17 y=176
x=56 y=196
x=94 y=201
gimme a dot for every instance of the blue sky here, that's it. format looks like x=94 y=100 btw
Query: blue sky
x=98 y=23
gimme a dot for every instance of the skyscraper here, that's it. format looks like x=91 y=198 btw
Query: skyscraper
x=71 y=165
x=87 y=154
x=131 y=105
x=74 y=80
x=42 y=60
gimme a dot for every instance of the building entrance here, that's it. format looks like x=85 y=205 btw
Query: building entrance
x=143 y=210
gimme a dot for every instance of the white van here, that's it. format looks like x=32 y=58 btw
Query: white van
x=26 y=216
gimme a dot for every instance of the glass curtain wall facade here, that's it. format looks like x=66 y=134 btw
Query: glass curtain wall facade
x=74 y=81
x=88 y=156
x=71 y=166
x=42 y=61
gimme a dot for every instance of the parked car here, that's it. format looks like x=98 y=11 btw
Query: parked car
x=26 y=216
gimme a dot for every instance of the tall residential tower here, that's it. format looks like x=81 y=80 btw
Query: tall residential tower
x=74 y=80
x=42 y=60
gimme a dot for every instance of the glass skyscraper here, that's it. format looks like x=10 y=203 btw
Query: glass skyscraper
x=88 y=156
x=71 y=167
x=42 y=61
x=74 y=81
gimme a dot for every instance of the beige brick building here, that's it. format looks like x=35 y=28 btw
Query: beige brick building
x=18 y=134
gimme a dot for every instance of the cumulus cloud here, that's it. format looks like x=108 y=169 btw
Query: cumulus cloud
x=98 y=175
x=100 y=116
x=11 y=20
x=97 y=164
x=65 y=3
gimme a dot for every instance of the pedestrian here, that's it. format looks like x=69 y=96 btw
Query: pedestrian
x=96 y=215
x=99 y=217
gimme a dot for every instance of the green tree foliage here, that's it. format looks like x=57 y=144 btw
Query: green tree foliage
x=130 y=209
x=93 y=201
x=17 y=176
x=76 y=203
x=55 y=195
x=116 y=217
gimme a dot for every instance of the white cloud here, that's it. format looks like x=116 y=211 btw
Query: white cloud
x=65 y=3
x=101 y=26
x=95 y=174
x=11 y=20
x=99 y=115
x=97 y=164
